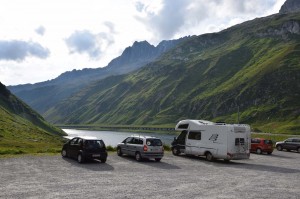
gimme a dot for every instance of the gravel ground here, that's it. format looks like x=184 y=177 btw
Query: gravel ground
x=262 y=176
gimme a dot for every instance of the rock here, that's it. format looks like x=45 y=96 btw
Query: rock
x=290 y=6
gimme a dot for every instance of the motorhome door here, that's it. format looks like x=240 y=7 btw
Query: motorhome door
x=193 y=143
x=180 y=141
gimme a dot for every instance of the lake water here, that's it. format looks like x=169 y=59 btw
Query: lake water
x=112 y=138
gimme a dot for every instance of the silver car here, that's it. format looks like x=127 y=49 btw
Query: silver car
x=142 y=147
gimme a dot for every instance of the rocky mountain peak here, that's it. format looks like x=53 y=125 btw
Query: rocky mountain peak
x=290 y=6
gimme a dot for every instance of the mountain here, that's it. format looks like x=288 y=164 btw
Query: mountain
x=290 y=6
x=250 y=70
x=23 y=130
x=44 y=95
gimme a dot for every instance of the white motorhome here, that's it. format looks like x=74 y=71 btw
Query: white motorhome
x=212 y=140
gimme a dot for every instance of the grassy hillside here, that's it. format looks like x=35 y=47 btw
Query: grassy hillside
x=22 y=130
x=253 y=68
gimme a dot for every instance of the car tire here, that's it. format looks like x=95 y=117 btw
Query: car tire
x=80 y=158
x=103 y=160
x=209 y=156
x=157 y=159
x=119 y=151
x=176 y=151
x=298 y=149
x=258 y=151
x=138 y=157
x=279 y=147
x=64 y=153
x=226 y=160
x=269 y=153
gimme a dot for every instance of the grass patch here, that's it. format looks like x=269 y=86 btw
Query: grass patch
x=11 y=152
x=111 y=148
x=167 y=147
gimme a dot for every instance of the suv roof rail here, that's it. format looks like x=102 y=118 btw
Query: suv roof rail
x=143 y=136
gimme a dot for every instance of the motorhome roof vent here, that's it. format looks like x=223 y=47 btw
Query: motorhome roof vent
x=204 y=122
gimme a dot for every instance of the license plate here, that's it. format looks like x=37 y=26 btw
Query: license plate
x=96 y=155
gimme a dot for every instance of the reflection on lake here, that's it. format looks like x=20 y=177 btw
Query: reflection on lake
x=112 y=138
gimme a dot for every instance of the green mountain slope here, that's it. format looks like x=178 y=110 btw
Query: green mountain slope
x=253 y=68
x=22 y=130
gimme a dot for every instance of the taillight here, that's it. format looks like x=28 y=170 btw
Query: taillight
x=145 y=148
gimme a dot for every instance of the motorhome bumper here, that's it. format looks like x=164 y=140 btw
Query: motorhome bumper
x=238 y=156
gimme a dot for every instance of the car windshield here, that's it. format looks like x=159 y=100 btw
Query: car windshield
x=153 y=142
x=268 y=142
x=94 y=144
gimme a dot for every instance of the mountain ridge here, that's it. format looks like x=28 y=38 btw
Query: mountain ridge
x=22 y=130
x=290 y=6
x=43 y=95
x=246 y=67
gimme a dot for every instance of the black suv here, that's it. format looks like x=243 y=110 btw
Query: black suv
x=289 y=144
x=84 y=148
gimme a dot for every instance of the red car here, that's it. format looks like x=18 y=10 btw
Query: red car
x=260 y=145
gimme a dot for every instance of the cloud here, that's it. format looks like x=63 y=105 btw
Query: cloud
x=167 y=20
x=178 y=17
x=40 y=30
x=17 y=50
x=92 y=44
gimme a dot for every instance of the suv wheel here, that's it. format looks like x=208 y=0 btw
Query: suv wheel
x=298 y=149
x=64 y=153
x=258 y=151
x=279 y=148
x=157 y=159
x=103 y=160
x=176 y=151
x=138 y=157
x=80 y=158
x=209 y=156
x=119 y=151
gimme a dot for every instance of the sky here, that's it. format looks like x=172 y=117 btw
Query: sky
x=39 y=40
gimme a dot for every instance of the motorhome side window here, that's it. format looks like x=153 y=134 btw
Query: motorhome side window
x=239 y=141
x=193 y=135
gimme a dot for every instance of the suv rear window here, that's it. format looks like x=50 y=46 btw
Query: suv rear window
x=268 y=142
x=153 y=142
x=94 y=144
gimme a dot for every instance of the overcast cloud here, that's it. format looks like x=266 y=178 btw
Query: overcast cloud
x=92 y=44
x=40 y=30
x=193 y=17
x=83 y=34
x=19 y=50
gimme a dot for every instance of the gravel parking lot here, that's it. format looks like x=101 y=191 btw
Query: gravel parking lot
x=262 y=176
